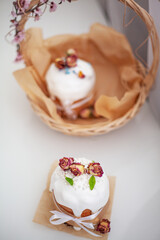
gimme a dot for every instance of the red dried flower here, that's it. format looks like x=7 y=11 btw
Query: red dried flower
x=71 y=61
x=60 y=63
x=65 y=163
x=86 y=113
x=77 y=169
x=95 y=169
x=103 y=226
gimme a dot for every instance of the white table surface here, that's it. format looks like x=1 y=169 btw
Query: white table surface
x=28 y=148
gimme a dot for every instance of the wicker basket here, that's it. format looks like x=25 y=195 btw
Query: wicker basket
x=106 y=126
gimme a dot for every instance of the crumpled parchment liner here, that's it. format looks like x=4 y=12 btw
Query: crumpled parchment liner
x=117 y=80
x=47 y=204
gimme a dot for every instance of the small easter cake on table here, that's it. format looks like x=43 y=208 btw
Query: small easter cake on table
x=80 y=190
x=71 y=84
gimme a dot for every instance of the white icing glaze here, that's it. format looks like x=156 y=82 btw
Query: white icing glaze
x=68 y=87
x=79 y=196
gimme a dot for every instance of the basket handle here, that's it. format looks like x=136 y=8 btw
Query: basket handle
x=149 y=22
x=146 y=18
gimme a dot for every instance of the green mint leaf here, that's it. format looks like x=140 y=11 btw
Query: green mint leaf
x=70 y=180
x=92 y=182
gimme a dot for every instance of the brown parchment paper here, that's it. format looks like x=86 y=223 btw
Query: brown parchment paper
x=117 y=80
x=47 y=204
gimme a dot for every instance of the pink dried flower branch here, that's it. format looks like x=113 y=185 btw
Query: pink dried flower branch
x=37 y=13
x=19 y=37
x=21 y=7
x=53 y=7
x=18 y=58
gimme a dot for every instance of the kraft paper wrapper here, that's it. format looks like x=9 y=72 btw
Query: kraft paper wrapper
x=117 y=80
x=47 y=204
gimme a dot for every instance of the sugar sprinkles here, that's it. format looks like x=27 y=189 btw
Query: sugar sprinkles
x=69 y=61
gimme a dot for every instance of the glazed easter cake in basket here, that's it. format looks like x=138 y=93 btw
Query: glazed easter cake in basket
x=83 y=84
x=78 y=199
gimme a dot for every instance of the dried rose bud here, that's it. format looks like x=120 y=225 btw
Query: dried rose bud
x=60 y=63
x=65 y=163
x=71 y=52
x=81 y=74
x=71 y=61
x=95 y=169
x=86 y=113
x=77 y=169
x=103 y=226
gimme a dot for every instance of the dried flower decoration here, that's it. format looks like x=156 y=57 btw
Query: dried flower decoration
x=18 y=58
x=37 y=14
x=60 y=63
x=103 y=226
x=53 y=7
x=95 y=169
x=86 y=113
x=28 y=8
x=19 y=37
x=71 y=61
x=77 y=169
x=65 y=163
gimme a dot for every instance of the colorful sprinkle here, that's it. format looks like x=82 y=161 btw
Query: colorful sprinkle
x=81 y=74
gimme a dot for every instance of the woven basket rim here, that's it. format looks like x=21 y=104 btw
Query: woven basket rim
x=150 y=74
